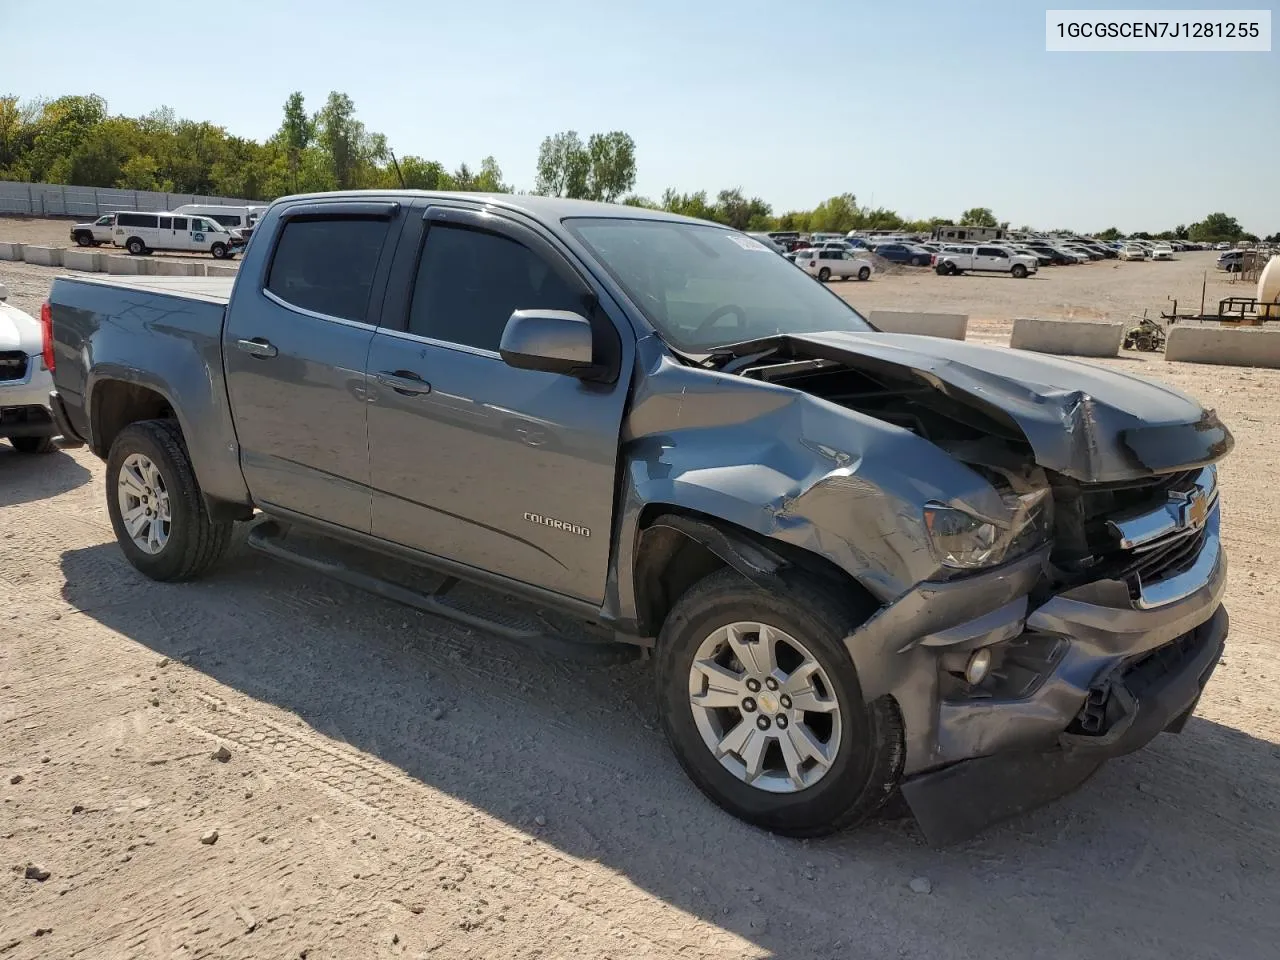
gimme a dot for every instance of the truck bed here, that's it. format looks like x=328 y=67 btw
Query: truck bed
x=212 y=289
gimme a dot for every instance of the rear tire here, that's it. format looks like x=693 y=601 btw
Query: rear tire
x=1019 y=271
x=824 y=275
x=219 y=251
x=135 y=246
x=868 y=756
x=864 y=273
x=33 y=444
x=194 y=542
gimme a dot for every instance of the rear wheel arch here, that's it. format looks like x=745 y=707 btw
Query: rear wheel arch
x=114 y=404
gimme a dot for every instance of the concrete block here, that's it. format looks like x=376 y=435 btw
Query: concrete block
x=1074 y=338
x=89 y=261
x=11 y=251
x=128 y=266
x=951 y=326
x=42 y=256
x=1230 y=346
x=173 y=268
x=219 y=270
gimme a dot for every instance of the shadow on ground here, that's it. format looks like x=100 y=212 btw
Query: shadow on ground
x=25 y=477
x=1172 y=852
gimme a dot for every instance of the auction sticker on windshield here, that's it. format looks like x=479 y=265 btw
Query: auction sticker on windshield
x=747 y=243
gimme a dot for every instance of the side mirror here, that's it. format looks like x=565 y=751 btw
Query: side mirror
x=557 y=341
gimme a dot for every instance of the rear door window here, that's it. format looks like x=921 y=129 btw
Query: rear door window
x=327 y=266
x=990 y=252
x=166 y=223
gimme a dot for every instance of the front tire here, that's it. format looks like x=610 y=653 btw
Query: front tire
x=33 y=444
x=156 y=508
x=219 y=251
x=761 y=704
x=84 y=240
x=824 y=275
x=1019 y=271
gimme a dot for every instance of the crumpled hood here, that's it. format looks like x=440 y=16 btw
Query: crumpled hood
x=18 y=331
x=1084 y=421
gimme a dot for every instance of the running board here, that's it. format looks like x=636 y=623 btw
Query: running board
x=439 y=595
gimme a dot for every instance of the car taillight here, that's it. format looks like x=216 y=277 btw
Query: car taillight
x=46 y=334
x=933 y=260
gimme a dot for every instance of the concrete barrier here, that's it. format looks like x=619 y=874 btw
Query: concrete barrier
x=11 y=251
x=128 y=266
x=951 y=326
x=1074 y=338
x=173 y=268
x=1230 y=346
x=89 y=261
x=218 y=270
x=42 y=256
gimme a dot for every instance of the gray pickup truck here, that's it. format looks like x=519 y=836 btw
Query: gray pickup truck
x=862 y=562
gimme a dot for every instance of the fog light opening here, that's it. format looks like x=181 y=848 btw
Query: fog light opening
x=978 y=667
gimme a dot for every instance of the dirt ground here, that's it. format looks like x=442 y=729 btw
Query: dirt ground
x=399 y=786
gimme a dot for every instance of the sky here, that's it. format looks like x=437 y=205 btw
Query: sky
x=925 y=107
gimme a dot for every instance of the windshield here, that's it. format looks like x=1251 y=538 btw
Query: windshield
x=703 y=287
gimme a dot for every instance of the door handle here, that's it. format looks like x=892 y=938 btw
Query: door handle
x=404 y=382
x=257 y=347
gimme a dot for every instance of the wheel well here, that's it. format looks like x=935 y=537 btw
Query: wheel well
x=677 y=548
x=117 y=404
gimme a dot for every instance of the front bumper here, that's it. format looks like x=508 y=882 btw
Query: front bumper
x=24 y=404
x=1086 y=675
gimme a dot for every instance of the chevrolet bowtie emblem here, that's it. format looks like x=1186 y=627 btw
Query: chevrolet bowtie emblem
x=1197 y=509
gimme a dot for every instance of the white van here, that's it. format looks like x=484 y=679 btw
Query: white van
x=235 y=219
x=143 y=232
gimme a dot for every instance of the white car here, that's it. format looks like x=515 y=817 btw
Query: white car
x=958 y=259
x=1131 y=251
x=96 y=233
x=1162 y=251
x=25 y=382
x=141 y=233
x=826 y=264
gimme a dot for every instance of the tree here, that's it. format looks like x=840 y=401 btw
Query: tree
x=688 y=204
x=1215 y=228
x=735 y=210
x=339 y=134
x=140 y=173
x=489 y=180
x=420 y=174
x=838 y=214
x=794 y=220
x=612 y=165
x=564 y=166
x=978 y=217
x=1111 y=233
x=295 y=135
x=635 y=200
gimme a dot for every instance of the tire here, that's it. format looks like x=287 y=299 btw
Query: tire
x=869 y=755
x=135 y=246
x=864 y=273
x=919 y=261
x=194 y=541
x=33 y=444
x=84 y=240
x=824 y=275
x=1019 y=271
x=219 y=251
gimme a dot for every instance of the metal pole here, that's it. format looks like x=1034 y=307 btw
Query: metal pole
x=1204 y=282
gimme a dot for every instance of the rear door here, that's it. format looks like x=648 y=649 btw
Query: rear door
x=511 y=471
x=295 y=345
x=990 y=258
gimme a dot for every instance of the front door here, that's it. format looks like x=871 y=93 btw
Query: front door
x=511 y=471
x=295 y=345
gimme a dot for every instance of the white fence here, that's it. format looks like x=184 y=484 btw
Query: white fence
x=55 y=200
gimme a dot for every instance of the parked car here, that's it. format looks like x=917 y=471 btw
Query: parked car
x=861 y=563
x=827 y=263
x=903 y=253
x=1131 y=251
x=1162 y=251
x=1052 y=254
x=25 y=380
x=958 y=259
x=1222 y=246
x=769 y=242
x=1231 y=261
x=94 y=234
x=141 y=233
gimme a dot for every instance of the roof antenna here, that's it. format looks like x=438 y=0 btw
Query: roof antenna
x=396 y=164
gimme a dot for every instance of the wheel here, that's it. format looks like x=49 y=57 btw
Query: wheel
x=918 y=261
x=824 y=274
x=84 y=240
x=136 y=246
x=762 y=706
x=219 y=251
x=33 y=444
x=157 y=512
x=864 y=273
x=1019 y=271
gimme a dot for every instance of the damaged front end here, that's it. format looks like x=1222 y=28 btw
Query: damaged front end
x=1047 y=560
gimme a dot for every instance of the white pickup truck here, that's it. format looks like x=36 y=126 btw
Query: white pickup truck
x=953 y=260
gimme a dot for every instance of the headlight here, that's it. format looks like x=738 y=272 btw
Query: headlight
x=965 y=541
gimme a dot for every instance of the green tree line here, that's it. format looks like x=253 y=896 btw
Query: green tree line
x=74 y=140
